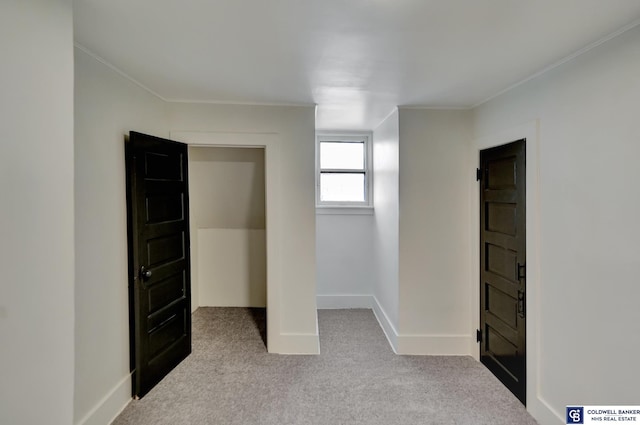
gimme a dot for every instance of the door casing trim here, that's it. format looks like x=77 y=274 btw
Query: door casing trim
x=270 y=142
x=530 y=131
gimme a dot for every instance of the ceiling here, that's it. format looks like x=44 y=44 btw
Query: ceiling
x=355 y=59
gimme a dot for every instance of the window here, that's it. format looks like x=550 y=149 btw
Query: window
x=343 y=175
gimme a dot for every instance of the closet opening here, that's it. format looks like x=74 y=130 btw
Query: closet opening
x=228 y=233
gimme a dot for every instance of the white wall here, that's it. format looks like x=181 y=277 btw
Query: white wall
x=36 y=217
x=345 y=255
x=227 y=209
x=227 y=187
x=294 y=128
x=232 y=268
x=107 y=106
x=434 y=232
x=589 y=143
x=386 y=201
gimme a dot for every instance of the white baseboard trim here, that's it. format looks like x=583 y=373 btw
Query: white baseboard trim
x=386 y=325
x=290 y=343
x=422 y=345
x=543 y=413
x=434 y=345
x=327 y=302
x=111 y=405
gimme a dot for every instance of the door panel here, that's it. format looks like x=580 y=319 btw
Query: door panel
x=165 y=249
x=502 y=264
x=161 y=208
x=171 y=288
x=158 y=217
x=501 y=218
x=501 y=261
x=501 y=173
x=502 y=305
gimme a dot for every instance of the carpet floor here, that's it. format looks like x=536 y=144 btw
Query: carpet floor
x=231 y=379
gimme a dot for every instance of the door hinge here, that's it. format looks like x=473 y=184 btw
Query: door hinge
x=478 y=335
x=521 y=305
x=478 y=174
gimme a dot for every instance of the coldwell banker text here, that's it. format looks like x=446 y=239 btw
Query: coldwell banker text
x=599 y=414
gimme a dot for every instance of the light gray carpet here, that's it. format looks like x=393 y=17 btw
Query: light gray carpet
x=231 y=379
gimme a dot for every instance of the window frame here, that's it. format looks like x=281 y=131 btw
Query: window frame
x=342 y=206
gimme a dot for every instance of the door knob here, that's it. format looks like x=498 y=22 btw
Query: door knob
x=145 y=273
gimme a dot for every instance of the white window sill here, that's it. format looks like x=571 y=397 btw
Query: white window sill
x=346 y=210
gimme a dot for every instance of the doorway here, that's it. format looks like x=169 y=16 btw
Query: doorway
x=158 y=214
x=270 y=143
x=502 y=332
x=228 y=228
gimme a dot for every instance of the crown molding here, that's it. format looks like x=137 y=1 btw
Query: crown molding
x=436 y=108
x=562 y=61
x=116 y=69
x=225 y=102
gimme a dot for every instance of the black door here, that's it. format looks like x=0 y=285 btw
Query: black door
x=502 y=264
x=159 y=270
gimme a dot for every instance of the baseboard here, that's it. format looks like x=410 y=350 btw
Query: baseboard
x=111 y=405
x=386 y=325
x=543 y=413
x=434 y=345
x=424 y=345
x=327 y=302
x=290 y=343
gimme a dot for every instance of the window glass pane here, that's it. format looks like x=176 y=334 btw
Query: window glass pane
x=339 y=187
x=340 y=155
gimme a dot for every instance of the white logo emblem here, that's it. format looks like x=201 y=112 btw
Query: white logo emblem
x=574 y=414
